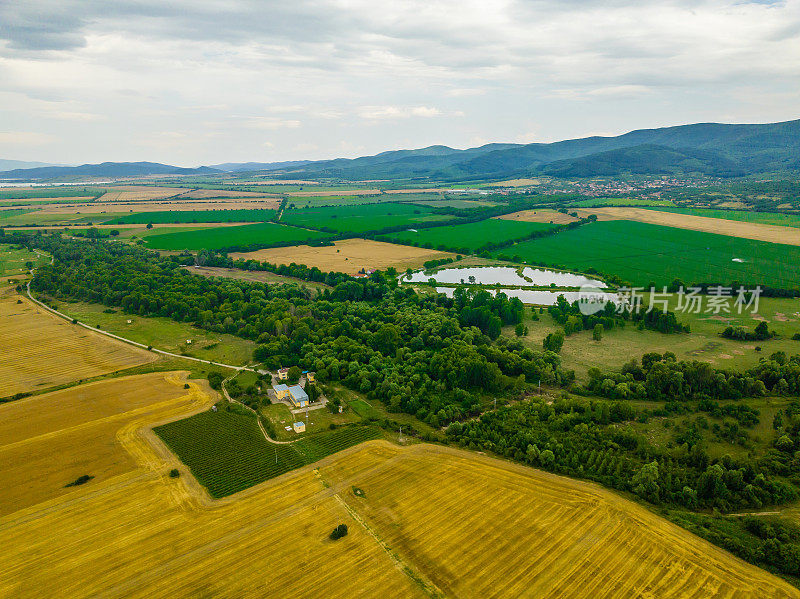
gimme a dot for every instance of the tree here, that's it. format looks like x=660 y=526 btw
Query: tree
x=520 y=330
x=597 y=333
x=149 y=225
x=554 y=342
x=294 y=374
x=338 y=532
x=114 y=233
x=645 y=482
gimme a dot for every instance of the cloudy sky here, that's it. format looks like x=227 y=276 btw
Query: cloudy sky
x=206 y=81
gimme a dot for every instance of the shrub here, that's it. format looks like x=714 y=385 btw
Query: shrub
x=338 y=532
x=82 y=479
x=174 y=473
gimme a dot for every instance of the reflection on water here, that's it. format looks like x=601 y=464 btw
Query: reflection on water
x=539 y=297
x=503 y=275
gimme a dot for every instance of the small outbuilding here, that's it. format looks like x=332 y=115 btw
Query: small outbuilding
x=299 y=427
x=283 y=374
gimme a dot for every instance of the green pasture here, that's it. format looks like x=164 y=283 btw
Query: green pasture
x=264 y=234
x=468 y=237
x=641 y=253
x=358 y=219
x=196 y=216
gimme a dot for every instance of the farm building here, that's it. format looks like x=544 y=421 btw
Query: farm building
x=298 y=396
x=281 y=391
x=299 y=427
x=309 y=376
x=283 y=374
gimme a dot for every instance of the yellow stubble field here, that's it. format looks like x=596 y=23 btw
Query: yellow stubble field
x=50 y=440
x=41 y=350
x=348 y=256
x=423 y=521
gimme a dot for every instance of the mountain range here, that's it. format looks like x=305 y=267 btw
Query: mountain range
x=713 y=149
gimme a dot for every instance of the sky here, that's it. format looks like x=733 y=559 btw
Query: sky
x=205 y=82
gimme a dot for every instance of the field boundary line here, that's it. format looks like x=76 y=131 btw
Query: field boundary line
x=430 y=589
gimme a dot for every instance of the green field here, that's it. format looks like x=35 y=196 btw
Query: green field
x=227 y=453
x=594 y=203
x=358 y=219
x=164 y=333
x=469 y=237
x=747 y=216
x=51 y=192
x=641 y=253
x=196 y=216
x=262 y=234
x=13 y=261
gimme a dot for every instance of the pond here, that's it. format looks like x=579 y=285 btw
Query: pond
x=541 y=297
x=503 y=275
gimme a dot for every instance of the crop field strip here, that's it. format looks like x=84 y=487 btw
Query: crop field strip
x=41 y=350
x=227 y=452
x=50 y=440
x=641 y=253
x=362 y=218
x=244 y=235
x=748 y=216
x=196 y=216
x=747 y=229
x=470 y=236
x=348 y=256
x=578 y=540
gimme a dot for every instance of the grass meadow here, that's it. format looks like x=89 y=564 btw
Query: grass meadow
x=468 y=237
x=196 y=216
x=358 y=219
x=263 y=234
x=641 y=253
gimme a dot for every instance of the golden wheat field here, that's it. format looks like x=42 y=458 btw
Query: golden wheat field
x=733 y=228
x=348 y=256
x=423 y=521
x=41 y=350
x=134 y=193
x=200 y=194
x=173 y=204
x=49 y=440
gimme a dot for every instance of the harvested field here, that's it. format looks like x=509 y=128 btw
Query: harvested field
x=733 y=228
x=41 y=350
x=516 y=183
x=348 y=256
x=200 y=194
x=428 y=521
x=341 y=192
x=50 y=440
x=543 y=215
x=136 y=193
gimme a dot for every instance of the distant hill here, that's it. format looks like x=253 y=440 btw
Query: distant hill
x=235 y=167
x=705 y=148
x=7 y=165
x=106 y=169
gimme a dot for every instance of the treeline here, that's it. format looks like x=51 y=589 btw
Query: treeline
x=663 y=378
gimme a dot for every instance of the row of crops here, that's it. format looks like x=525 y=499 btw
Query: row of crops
x=227 y=453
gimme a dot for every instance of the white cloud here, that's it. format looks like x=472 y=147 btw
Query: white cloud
x=25 y=138
x=383 y=74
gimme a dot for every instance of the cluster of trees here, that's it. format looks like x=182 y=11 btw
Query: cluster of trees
x=760 y=333
x=430 y=356
x=573 y=319
x=588 y=439
x=664 y=378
